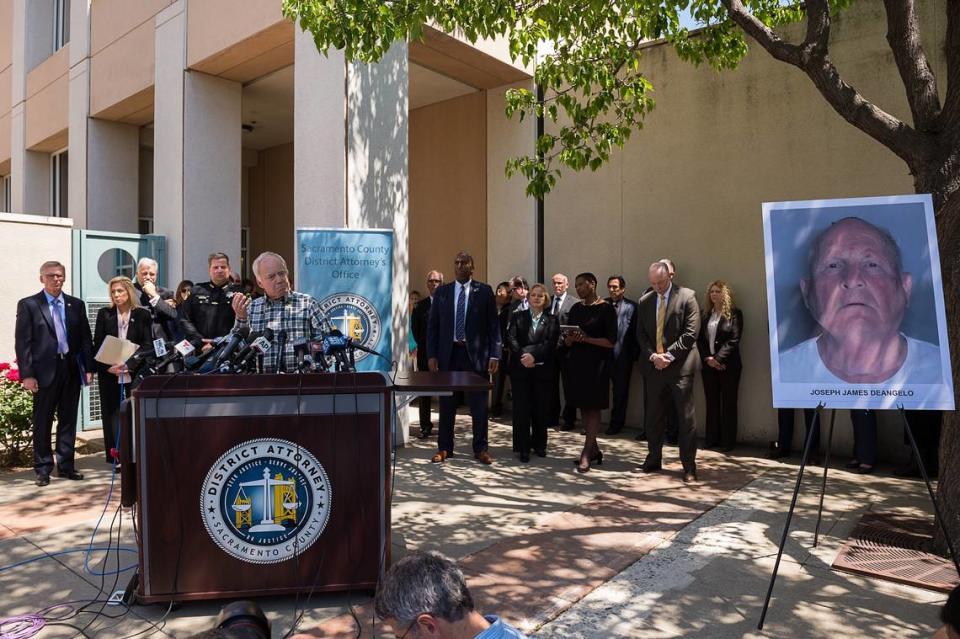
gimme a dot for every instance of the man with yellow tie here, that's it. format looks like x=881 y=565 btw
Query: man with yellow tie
x=669 y=322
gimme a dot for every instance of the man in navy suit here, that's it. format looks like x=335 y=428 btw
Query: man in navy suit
x=54 y=352
x=624 y=351
x=463 y=334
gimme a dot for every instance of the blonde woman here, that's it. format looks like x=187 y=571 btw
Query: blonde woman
x=126 y=320
x=719 y=345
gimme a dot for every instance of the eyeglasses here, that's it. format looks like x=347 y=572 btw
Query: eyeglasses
x=434 y=281
x=409 y=627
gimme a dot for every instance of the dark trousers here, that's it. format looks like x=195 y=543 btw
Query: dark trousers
x=662 y=392
x=531 y=401
x=62 y=397
x=620 y=375
x=499 y=383
x=925 y=425
x=460 y=361
x=720 y=388
x=561 y=380
x=864 y=436
x=785 y=419
x=110 y=396
x=424 y=403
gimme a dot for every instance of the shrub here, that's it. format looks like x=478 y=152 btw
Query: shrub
x=16 y=419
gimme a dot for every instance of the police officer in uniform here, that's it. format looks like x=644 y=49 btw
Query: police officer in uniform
x=207 y=313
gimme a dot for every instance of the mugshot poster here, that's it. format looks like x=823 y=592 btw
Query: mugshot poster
x=855 y=304
x=350 y=273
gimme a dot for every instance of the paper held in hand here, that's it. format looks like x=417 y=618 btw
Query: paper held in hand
x=115 y=351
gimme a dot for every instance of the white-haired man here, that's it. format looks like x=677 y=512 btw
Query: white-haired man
x=156 y=299
x=296 y=316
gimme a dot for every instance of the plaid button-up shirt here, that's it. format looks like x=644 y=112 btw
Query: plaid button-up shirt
x=298 y=314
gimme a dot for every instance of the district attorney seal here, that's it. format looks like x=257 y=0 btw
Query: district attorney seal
x=265 y=500
x=356 y=317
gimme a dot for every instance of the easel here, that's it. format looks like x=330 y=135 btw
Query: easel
x=823 y=489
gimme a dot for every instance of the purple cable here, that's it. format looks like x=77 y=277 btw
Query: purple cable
x=24 y=626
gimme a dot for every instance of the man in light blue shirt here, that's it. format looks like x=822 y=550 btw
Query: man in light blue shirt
x=425 y=595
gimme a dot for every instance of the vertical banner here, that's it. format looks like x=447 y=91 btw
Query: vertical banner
x=350 y=273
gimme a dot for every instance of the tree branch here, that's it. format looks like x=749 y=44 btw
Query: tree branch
x=951 y=103
x=813 y=59
x=903 y=35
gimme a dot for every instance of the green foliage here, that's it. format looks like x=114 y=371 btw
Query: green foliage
x=588 y=56
x=16 y=410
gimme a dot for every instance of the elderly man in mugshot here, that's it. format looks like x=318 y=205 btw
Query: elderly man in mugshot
x=857 y=291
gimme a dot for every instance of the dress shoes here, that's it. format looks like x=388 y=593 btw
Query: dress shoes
x=524 y=457
x=778 y=453
x=541 y=452
x=70 y=474
x=640 y=437
x=425 y=434
x=484 y=457
x=441 y=456
x=727 y=449
x=648 y=468
x=42 y=480
x=614 y=430
x=567 y=427
x=689 y=478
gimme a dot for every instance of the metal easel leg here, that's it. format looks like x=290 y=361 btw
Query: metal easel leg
x=823 y=486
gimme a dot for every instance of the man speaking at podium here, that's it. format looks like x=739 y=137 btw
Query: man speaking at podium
x=292 y=316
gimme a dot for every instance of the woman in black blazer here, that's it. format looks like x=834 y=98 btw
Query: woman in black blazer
x=533 y=335
x=719 y=346
x=123 y=319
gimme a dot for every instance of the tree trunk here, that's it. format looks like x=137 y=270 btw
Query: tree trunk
x=948 y=488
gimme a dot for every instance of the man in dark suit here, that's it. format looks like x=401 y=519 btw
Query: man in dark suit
x=624 y=351
x=560 y=306
x=463 y=334
x=156 y=299
x=419 y=318
x=54 y=352
x=667 y=329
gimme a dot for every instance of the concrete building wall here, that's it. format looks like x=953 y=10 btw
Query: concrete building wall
x=28 y=241
x=690 y=185
x=448 y=186
x=511 y=215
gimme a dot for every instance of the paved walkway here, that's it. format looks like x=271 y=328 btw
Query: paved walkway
x=606 y=554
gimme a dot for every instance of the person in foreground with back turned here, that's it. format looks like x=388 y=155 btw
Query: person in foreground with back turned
x=124 y=319
x=589 y=361
x=425 y=595
x=293 y=316
x=533 y=336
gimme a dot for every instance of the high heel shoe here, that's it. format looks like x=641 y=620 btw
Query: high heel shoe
x=597 y=458
x=579 y=464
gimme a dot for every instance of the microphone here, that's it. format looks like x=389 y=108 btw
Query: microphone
x=259 y=346
x=335 y=344
x=361 y=347
x=236 y=338
x=180 y=350
x=281 y=345
x=193 y=363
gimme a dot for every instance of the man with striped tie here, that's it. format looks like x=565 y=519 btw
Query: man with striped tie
x=463 y=334
x=669 y=322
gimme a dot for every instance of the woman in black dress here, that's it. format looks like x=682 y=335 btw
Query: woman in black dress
x=719 y=343
x=533 y=336
x=123 y=319
x=589 y=359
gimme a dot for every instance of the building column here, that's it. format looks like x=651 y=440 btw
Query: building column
x=29 y=171
x=197 y=155
x=376 y=167
x=319 y=121
x=79 y=111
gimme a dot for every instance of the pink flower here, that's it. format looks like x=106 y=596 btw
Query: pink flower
x=4 y=366
x=13 y=375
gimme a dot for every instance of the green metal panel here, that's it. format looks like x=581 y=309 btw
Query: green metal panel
x=99 y=256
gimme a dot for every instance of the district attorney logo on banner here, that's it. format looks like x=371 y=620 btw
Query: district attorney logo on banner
x=266 y=500
x=356 y=317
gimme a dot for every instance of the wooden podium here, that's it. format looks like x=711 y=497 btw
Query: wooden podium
x=260 y=485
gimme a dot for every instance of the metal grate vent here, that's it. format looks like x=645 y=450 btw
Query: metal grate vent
x=895 y=547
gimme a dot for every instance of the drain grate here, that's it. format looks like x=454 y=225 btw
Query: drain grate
x=895 y=547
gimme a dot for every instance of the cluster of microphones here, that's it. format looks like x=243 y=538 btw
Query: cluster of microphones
x=242 y=352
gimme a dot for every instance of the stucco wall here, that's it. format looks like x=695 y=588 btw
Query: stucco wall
x=27 y=241
x=689 y=186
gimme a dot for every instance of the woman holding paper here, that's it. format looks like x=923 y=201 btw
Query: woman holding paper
x=124 y=320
